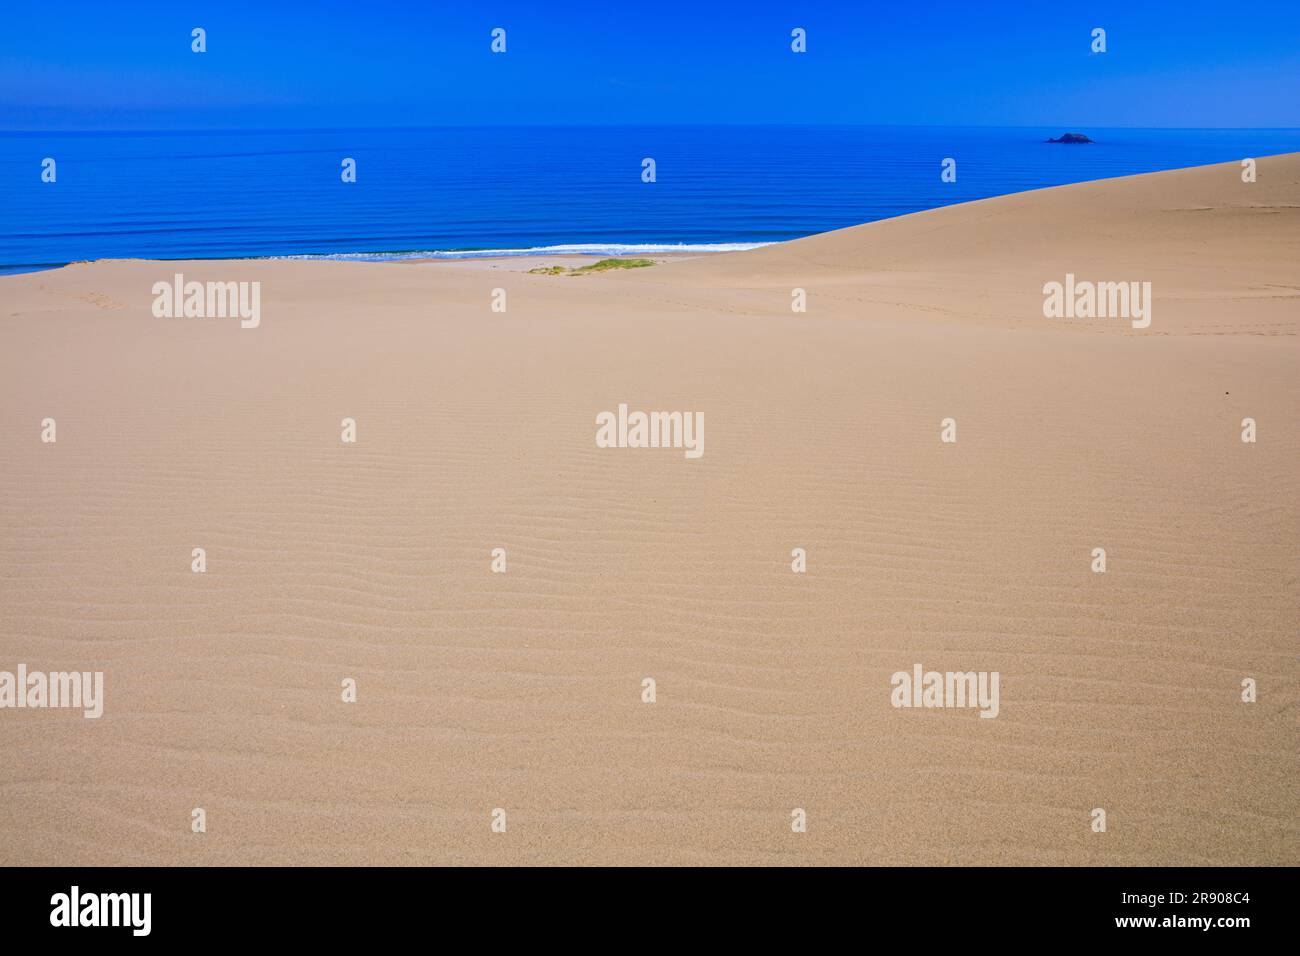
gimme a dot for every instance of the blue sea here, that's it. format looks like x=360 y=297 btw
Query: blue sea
x=474 y=190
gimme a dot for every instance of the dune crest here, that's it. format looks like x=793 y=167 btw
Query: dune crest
x=1219 y=250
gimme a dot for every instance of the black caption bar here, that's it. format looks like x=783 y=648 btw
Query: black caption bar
x=139 y=906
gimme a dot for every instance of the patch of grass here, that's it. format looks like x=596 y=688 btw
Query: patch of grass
x=604 y=265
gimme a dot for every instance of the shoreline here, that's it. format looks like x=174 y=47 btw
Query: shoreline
x=495 y=256
x=613 y=250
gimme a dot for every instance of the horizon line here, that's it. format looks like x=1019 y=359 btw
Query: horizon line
x=344 y=129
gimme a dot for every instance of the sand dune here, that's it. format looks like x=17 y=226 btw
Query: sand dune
x=1203 y=238
x=522 y=690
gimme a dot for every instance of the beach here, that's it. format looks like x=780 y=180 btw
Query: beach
x=523 y=689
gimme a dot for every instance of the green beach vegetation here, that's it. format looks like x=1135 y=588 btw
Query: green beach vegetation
x=603 y=265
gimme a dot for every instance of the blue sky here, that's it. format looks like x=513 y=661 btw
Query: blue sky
x=119 y=64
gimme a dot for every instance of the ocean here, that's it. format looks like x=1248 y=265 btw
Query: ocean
x=473 y=190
